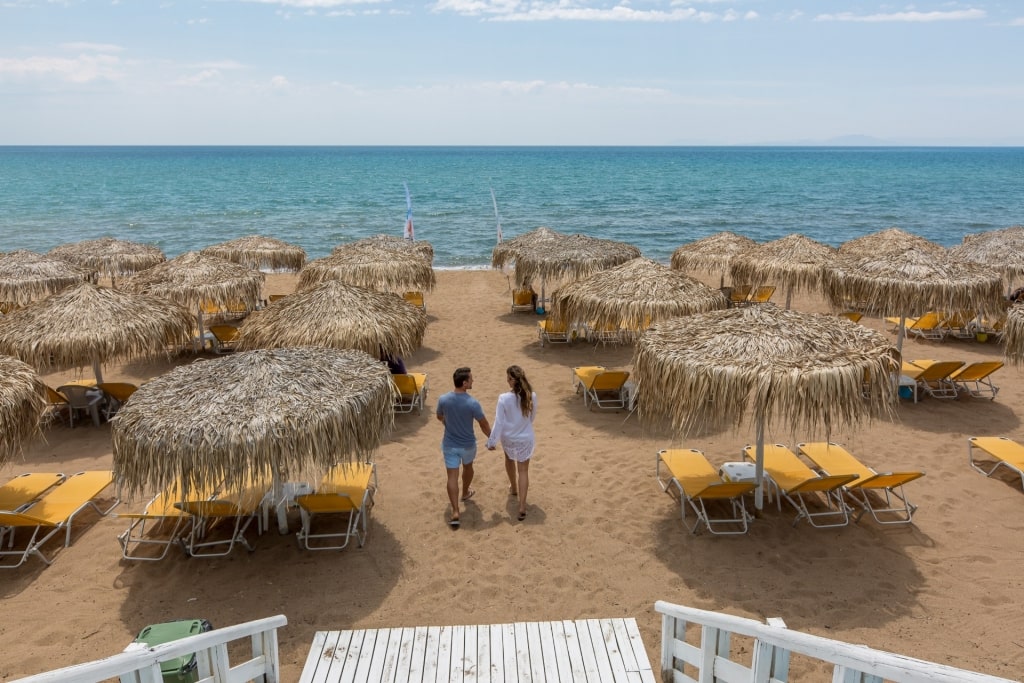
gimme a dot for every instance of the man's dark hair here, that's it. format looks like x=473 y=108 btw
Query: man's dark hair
x=460 y=376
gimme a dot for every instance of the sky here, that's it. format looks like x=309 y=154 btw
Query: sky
x=511 y=72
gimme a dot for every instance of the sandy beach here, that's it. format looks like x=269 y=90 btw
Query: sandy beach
x=601 y=539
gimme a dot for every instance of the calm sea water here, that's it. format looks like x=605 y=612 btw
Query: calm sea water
x=186 y=198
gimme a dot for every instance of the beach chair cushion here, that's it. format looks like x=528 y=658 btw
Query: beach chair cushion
x=161 y=524
x=816 y=498
x=976 y=379
x=895 y=508
x=24 y=489
x=524 y=301
x=553 y=332
x=54 y=512
x=1002 y=451
x=412 y=389
x=607 y=389
x=345 y=492
x=234 y=508
x=689 y=474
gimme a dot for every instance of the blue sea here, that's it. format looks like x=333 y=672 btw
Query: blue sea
x=186 y=198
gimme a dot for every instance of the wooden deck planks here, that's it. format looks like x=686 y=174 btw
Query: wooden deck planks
x=586 y=650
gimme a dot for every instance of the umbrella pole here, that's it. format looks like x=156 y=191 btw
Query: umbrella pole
x=789 y=296
x=279 y=504
x=96 y=371
x=202 y=334
x=543 y=298
x=759 y=461
x=900 y=334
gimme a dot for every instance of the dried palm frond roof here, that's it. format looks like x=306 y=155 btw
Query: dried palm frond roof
x=794 y=261
x=635 y=293
x=549 y=255
x=260 y=253
x=390 y=242
x=1013 y=334
x=913 y=282
x=90 y=324
x=337 y=315
x=26 y=275
x=193 y=278
x=372 y=266
x=21 y=406
x=711 y=253
x=242 y=418
x=999 y=249
x=110 y=257
x=709 y=370
x=888 y=241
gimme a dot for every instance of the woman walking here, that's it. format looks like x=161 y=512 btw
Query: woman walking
x=513 y=428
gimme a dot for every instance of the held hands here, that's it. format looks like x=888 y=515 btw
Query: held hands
x=491 y=448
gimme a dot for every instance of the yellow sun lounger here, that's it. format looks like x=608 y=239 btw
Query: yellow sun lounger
x=53 y=513
x=935 y=378
x=976 y=379
x=347 y=490
x=161 y=524
x=1004 y=451
x=553 y=332
x=606 y=389
x=801 y=486
x=412 y=389
x=238 y=508
x=830 y=457
x=524 y=301
x=415 y=298
x=24 y=489
x=583 y=376
x=694 y=480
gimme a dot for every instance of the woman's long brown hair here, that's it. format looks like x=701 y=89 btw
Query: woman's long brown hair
x=521 y=388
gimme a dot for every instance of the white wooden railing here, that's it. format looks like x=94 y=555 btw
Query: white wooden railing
x=141 y=664
x=773 y=643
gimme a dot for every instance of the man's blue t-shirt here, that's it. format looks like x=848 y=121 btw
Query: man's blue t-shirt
x=459 y=410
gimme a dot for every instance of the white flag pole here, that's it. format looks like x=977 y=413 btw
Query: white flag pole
x=410 y=233
x=496 y=216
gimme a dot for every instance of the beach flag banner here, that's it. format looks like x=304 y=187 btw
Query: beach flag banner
x=496 y=216
x=410 y=233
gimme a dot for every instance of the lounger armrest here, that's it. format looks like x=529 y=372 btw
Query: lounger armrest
x=829 y=483
x=887 y=480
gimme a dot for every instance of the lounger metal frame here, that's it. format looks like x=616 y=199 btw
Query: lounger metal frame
x=977 y=441
x=731 y=492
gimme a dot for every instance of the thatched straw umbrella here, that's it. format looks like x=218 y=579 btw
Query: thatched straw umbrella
x=888 y=241
x=634 y=295
x=806 y=370
x=88 y=324
x=21 y=406
x=794 y=261
x=1013 y=334
x=545 y=254
x=110 y=257
x=392 y=243
x=373 y=266
x=260 y=253
x=999 y=249
x=340 y=316
x=250 y=417
x=193 y=279
x=712 y=253
x=914 y=282
x=26 y=275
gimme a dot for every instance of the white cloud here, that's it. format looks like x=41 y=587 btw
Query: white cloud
x=517 y=10
x=909 y=16
x=203 y=77
x=316 y=4
x=1019 y=21
x=91 y=47
x=279 y=82
x=80 y=69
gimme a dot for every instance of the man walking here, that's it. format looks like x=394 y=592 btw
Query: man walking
x=457 y=410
